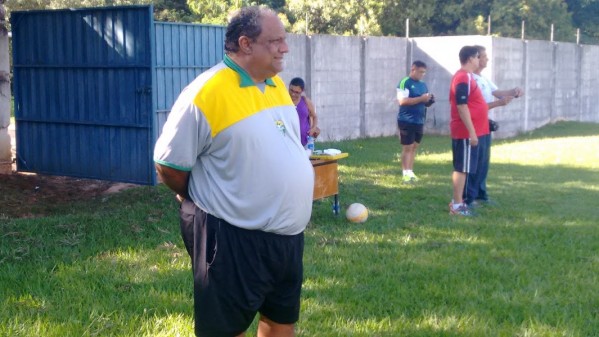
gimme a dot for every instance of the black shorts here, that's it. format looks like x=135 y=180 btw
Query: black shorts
x=410 y=133
x=465 y=157
x=239 y=272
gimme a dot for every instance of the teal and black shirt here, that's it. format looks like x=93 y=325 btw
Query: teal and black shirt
x=414 y=114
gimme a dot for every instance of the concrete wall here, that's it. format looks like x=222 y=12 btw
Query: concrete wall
x=352 y=80
x=384 y=65
x=442 y=60
x=565 y=81
x=336 y=85
x=297 y=61
x=333 y=77
x=589 y=84
x=506 y=68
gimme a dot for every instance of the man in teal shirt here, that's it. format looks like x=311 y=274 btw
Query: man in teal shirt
x=413 y=98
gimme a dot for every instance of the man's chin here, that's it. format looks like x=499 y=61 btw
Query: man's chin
x=278 y=66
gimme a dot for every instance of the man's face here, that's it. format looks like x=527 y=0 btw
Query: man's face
x=417 y=73
x=268 y=48
x=482 y=62
x=474 y=61
x=295 y=92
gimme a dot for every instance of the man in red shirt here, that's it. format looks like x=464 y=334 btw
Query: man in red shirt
x=469 y=120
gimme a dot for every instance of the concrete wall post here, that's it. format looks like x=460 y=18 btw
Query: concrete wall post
x=5 y=148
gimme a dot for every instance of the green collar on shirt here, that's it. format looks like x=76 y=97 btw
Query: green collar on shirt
x=246 y=80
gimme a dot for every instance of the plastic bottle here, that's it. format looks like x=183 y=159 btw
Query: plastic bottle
x=310 y=146
x=310 y=143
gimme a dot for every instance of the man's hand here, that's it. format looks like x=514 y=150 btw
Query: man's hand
x=314 y=131
x=424 y=98
x=473 y=140
x=431 y=100
x=517 y=92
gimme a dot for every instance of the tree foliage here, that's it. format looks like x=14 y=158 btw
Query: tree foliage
x=216 y=12
x=382 y=17
x=164 y=10
x=173 y=11
x=341 y=17
x=538 y=15
x=420 y=12
x=584 y=15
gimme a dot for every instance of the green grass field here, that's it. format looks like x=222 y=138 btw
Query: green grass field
x=528 y=267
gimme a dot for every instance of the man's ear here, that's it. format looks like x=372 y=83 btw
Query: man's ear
x=245 y=45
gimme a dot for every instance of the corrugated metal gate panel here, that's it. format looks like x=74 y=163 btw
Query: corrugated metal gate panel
x=83 y=88
x=94 y=86
x=182 y=52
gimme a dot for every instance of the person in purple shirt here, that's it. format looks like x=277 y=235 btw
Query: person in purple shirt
x=305 y=110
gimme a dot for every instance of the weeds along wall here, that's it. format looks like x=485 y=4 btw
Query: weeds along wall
x=352 y=80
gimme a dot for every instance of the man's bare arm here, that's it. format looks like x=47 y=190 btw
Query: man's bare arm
x=414 y=100
x=314 y=129
x=467 y=120
x=505 y=100
x=515 y=92
x=176 y=180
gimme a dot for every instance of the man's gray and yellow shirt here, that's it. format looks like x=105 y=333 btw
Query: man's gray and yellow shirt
x=241 y=143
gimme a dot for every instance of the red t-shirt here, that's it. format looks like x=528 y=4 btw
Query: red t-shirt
x=479 y=112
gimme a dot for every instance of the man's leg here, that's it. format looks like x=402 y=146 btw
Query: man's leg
x=268 y=328
x=461 y=153
x=413 y=155
x=473 y=180
x=418 y=134
x=407 y=156
x=464 y=161
x=483 y=169
x=406 y=135
x=281 y=308
x=459 y=181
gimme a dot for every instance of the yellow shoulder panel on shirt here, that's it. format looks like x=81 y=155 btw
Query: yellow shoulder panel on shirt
x=224 y=103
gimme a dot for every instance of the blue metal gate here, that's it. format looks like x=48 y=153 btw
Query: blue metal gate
x=83 y=92
x=93 y=87
x=183 y=51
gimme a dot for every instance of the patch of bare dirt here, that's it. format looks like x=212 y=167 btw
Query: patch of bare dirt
x=27 y=195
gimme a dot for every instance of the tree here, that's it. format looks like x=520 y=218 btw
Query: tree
x=468 y=18
x=164 y=10
x=382 y=17
x=584 y=16
x=395 y=12
x=213 y=11
x=173 y=11
x=507 y=16
x=338 y=17
x=217 y=11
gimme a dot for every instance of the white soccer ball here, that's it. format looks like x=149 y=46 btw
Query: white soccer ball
x=357 y=213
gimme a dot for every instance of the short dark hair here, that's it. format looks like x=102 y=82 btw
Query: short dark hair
x=419 y=64
x=480 y=48
x=297 y=82
x=466 y=53
x=244 y=22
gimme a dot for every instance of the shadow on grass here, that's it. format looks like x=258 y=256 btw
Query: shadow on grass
x=118 y=265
